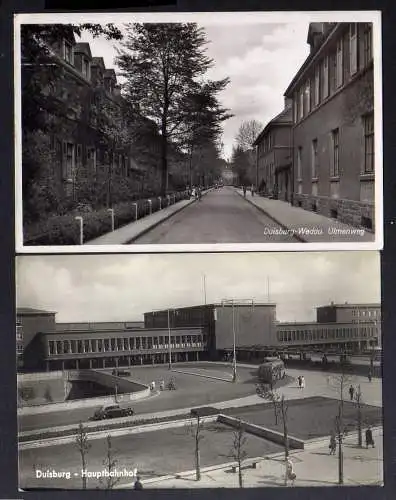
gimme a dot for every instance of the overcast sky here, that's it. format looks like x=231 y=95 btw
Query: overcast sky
x=122 y=287
x=260 y=59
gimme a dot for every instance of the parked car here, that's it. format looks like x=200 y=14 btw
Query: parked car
x=121 y=373
x=113 y=411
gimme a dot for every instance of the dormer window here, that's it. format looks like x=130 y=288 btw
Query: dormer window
x=86 y=68
x=68 y=52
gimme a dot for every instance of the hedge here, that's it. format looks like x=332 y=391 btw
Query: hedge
x=65 y=229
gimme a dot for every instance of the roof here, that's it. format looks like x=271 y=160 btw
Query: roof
x=215 y=304
x=110 y=73
x=329 y=32
x=84 y=48
x=31 y=311
x=310 y=324
x=348 y=305
x=98 y=61
x=100 y=325
x=129 y=331
x=283 y=118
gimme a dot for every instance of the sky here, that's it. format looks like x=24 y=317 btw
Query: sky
x=260 y=59
x=121 y=287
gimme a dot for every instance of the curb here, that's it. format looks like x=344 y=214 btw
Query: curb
x=43 y=443
x=156 y=224
x=283 y=226
x=203 y=376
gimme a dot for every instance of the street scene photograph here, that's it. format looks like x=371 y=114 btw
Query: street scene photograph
x=148 y=132
x=230 y=371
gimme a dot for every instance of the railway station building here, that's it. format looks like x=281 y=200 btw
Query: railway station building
x=197 y=333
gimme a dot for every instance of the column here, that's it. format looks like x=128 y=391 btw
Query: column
x=63 y=365
x=77 y=364
x=197 y=356
x=116 y=362
x=186 y=356
x=104 y=362
x=141 y=359
x=90 y=364
x=152 y=359
x=129 y=360
x=47 y=366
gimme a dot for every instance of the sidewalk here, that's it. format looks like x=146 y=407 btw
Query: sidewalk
x=307 y=226
x=313 y=467
x=132 y=231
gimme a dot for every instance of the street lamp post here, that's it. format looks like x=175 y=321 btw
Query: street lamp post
x=169 y=342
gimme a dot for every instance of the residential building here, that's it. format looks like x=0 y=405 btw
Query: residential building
x=333 y=124
x=89 y=157
x=273 y=156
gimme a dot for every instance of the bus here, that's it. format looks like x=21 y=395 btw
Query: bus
x=271 y=370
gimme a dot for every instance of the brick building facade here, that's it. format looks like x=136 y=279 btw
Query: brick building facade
x=333 y=124
x=273 y=156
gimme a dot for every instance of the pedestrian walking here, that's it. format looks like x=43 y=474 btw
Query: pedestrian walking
x=333 y=444
x=244 y=191
x=369 y=438
x=299 y=381
x=138 y=484
x=290 y=474
x=351 y=392
x=302 y=382
x=369 y=376
x=252 y=190
x=162 y=385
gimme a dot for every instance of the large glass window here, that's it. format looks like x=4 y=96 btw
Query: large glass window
x=339 y=64
x=335 y=159
x=367 y=44
x=314 y=159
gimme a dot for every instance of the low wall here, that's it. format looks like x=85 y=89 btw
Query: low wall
x=263 y=432
x=128 y=392
x=32 y=377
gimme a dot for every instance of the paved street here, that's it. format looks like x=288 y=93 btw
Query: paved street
x=222 y=216
x=195 y=391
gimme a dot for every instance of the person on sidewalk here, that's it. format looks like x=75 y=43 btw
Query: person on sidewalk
x=351 y=392
x=138 y=484
x=302 y=382
x=369 y=376
x=333 y=444
x=290 y=474
x=244 y=191
x=299 y=381
x=369 y=438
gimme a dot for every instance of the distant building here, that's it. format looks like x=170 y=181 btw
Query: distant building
x=196 y=333
x=333 y=124
x=273 y=156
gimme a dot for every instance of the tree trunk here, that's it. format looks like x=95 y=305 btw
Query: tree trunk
x=164 y=165
x=240 y=473
x=197 y=455
x=83 y=476
x=340 y=460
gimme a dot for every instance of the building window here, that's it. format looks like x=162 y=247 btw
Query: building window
x=367 y=44
x=85 y=68
x=307 y=97
x=353 y=48
x=317 y=86
x=332 y=72
x=295 y=108
x=368 y=122
x=325 y=81
x=335 y=159
x=339 y=64
x=301 y=106
x=68 y=52
x=299 y=162
x=314 y=159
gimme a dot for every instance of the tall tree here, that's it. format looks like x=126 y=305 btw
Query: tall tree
x=247 y=134
x=240 y=165
x=163 y=65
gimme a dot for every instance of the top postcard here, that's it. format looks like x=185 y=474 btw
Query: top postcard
x=163 y=132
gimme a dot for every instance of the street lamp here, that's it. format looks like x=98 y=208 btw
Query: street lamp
x=169 y=342
x=234 y=359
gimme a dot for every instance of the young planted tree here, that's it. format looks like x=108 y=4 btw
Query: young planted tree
x=238 y=451
x=83 y=447
x=196 y=431
x=162 y=64
x=358 y=403
x=339 y=383
x=275 y=399
x=110 y=463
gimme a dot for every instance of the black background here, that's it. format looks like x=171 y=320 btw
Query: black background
x=8 y=410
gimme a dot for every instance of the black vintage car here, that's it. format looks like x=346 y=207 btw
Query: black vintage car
x=113 y=411
x=121 y=373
